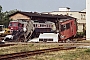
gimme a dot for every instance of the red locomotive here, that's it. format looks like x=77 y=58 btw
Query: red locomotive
x=15 y=25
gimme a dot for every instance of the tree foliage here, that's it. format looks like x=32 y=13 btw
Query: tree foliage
x=4 y=16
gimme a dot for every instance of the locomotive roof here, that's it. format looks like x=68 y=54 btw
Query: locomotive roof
x=35 y=14
x=20 y=21
x=62 y=20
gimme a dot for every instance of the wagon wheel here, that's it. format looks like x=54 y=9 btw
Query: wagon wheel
x=68 y=41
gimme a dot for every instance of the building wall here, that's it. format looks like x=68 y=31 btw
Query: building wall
x=80 y=27
x=64 y=9
x=82 y=18
x=19 y=16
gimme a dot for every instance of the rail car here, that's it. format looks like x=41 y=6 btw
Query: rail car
x=65 y=28
x=43 y=27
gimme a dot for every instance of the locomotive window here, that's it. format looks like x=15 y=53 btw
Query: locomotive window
x=10 y=24
x=14 y=24
x=19 y=24
x=62 y=28
x=67 y=25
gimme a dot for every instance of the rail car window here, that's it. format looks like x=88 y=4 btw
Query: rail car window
x=67 y=25
x=34 y=25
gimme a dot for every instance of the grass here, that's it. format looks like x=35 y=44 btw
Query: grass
x=84 y=41
x=24 y=48
x=76 y=54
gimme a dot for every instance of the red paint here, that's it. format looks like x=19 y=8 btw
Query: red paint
x=68 y=32
x=15 y=25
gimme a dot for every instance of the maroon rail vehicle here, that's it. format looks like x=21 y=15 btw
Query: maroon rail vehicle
x=68 y=29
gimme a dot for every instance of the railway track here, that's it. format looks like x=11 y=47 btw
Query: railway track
x=31 y=53
x=5 y=45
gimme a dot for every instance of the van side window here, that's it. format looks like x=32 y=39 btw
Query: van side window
x=67 y=25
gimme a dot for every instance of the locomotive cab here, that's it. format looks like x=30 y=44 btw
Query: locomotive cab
x=68 y=29
x=15 y=25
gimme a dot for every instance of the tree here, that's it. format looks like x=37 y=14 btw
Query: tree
x=0 y=8
x=4 y=16
x=1 y=13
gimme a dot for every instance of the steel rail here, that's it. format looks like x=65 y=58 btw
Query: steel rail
x=31 y=53
x=5 y=45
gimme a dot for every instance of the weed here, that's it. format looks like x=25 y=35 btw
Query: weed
x=88 y=50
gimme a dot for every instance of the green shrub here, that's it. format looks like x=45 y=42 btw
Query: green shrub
x=81 y=34
x=88 y=50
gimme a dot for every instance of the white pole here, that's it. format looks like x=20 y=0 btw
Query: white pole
x=87 y=19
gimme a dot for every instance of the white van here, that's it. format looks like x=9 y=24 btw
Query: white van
x=48 y=37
